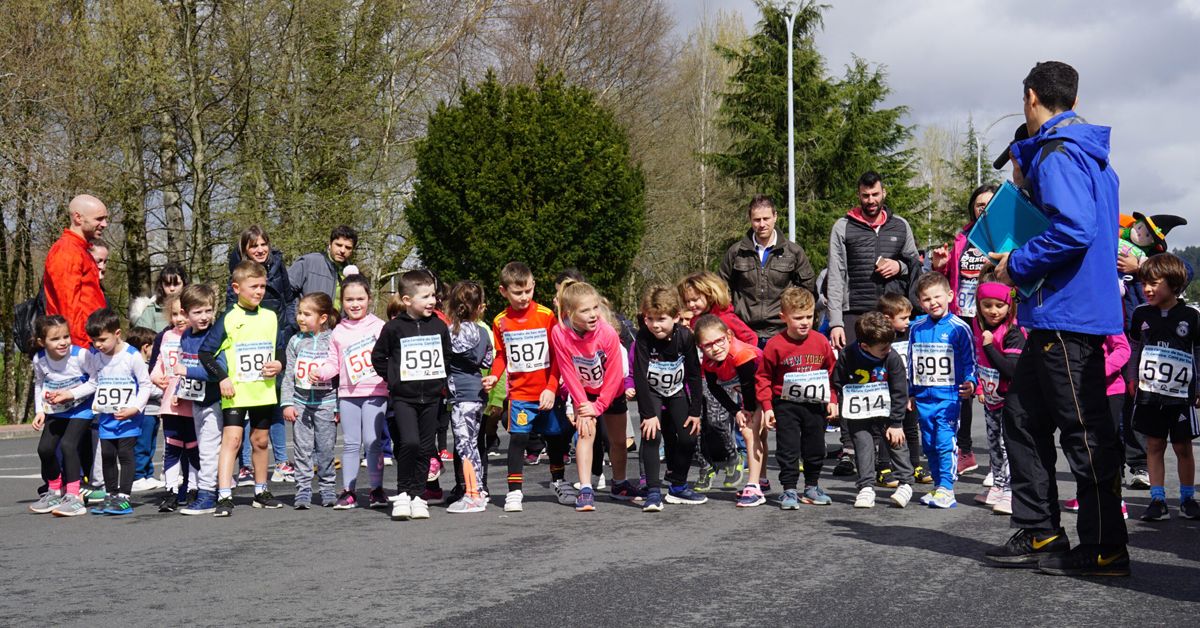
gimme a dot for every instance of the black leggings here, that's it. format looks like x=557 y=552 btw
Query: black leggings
x=65 y=435
x=912 y=434
x=414 y=432
x=112 y=451
x=680 y=444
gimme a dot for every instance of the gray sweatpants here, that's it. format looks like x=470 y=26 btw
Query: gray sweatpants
x=208 y=441
x=363 y=420
x=862 y=436
x=313 y=436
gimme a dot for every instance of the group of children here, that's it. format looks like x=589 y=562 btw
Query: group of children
x=702 y=384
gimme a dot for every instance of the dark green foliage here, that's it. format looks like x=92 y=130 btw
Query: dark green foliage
x=540 y=174
x=1191 y=255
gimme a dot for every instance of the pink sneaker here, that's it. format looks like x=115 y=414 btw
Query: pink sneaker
x=991 y=497
x=1072 y=505
x=435 y=469
x=1124 y=510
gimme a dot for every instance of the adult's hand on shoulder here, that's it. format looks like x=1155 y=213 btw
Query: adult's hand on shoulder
x=837 y=338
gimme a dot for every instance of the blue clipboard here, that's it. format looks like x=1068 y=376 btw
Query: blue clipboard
x=1009 y=221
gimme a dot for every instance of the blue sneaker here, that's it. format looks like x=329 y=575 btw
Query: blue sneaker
x=119 y=505
x=750 y=497
x=102 y=507
x=814 y=495
x=586 y=501
x=790 y=500
x=654 y=501
x=626 y=492
x=685 y=495
x=942 y=498
x=204 y=504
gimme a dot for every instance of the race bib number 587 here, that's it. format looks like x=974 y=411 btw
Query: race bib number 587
x=526 y=350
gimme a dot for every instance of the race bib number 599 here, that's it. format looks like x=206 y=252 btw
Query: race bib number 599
x=933 y=364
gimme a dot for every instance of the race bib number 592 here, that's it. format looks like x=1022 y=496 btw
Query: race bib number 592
x=421 y=358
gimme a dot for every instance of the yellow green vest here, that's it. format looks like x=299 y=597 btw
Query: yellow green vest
x=249 y=344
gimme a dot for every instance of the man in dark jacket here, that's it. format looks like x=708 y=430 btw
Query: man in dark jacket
x=1060 y=382
x=322 y=271
x=760 y=267
x=871 y=252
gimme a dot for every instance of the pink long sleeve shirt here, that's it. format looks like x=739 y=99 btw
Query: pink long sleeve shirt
x=350 y=349
x=589 y=364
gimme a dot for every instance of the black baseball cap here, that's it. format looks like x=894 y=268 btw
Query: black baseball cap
x=1021 y=134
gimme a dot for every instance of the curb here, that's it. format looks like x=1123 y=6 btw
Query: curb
x=9 y=432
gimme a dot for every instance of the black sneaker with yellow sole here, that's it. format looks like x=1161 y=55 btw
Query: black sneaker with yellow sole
x=1027 y=547
x=886 y=479
x=1088 y=560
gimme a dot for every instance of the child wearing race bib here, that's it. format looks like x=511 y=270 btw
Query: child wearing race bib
x=1165 y=339
x=196 y=386
x=241 y=355
x=119 y=383
x=796 y=397
x=181 y=455
x=730 y=368
x=898 y=310
x=362 y=396
x=524 y=358
x=872 y=388
x=144 y=340
x=309 y=402
x=588 y=352
x=941 y=364
x=706 y=293
x=59 y=366
x=412 y=350
x=666 y=378
x=470 y=353
x=998 y=343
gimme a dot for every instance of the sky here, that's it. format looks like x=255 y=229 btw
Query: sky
x=947 y=60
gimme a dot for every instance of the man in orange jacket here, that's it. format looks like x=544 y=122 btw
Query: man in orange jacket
x=72 y=279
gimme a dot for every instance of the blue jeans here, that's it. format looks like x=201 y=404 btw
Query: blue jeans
x=143 y=449
x=278 y=435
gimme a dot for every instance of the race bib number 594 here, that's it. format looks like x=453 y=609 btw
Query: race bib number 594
x=1166 y=371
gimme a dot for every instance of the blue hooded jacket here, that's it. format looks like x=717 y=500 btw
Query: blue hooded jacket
x=1069 y=177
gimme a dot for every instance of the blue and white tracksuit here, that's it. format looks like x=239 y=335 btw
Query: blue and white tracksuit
x=941 y=357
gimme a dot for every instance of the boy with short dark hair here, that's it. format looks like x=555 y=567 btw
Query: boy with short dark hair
x=241 y=355
x=941 y=365
x=872 y=389
x=1165 y=339
x=793 y=387
x=898 y=310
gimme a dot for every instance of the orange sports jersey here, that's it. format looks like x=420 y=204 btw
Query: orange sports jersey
x=739 y=354
x=523 y=351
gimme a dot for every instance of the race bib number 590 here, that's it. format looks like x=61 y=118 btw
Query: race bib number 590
x=421 y=358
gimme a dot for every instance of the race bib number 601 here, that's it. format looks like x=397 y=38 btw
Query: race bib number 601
x=421 y=358
x=806 y=387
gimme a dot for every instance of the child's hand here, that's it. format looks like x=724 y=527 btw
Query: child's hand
x=125 y=413
x=831 y=411
x=895 y=436
x=227 y=388
x=489 y=382
x=630 y=393
x=769 y=419
x=987 y=337
x=272 y=368
x=980 y=398
x=289 y=414
x=742 y=419
x=692 y=425
x=38 y=421
x=966 y=389
x=313 y=377
x=912 y=405
x=180 y=369
x=58 y=396
x=160 y=381
x=586 y=426
x=546 y=400
x=585 y=410
x=650 y=427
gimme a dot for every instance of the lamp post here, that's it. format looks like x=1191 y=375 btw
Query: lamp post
x=979 y=146
x=790 y=20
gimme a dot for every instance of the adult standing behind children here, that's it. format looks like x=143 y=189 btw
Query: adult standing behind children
x=72 y=278
x=323 y=271
x=760 y=266
x=1060 y=378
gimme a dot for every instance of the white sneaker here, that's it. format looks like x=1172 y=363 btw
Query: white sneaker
x=363 y=464
x=989 y=480
x=565 y=492
x=928 y=497
x=468 y=504
x=601 y=484
x=146 y=484
x=991 y=497
x=402 y=508
x=902 y=495
x=419 y=509
x=512 y=501
x=866 y=498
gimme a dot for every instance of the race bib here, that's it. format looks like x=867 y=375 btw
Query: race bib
x=309 y=361
x=56 y=385
x=421 y=358
x=866 y=401
x=357 y=358
x=113 y=394
x=170 y=351
x=251 y=358
x=665 y=378
x=901 y=347
x=1165 y=371
x=527 y=350
x=191 y=389
x=806 y=387
x=967 y=289
x=989 y=384
x=590 y=370
x=933 y=364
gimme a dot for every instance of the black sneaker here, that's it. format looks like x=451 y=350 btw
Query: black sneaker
x=1189 y=509
x=1156 y=511
x=1027 y=547
x=224 y=507
x=887 y=479
x=1088 y=560
x=845 y=465
x=266 y=500
x=169 y=503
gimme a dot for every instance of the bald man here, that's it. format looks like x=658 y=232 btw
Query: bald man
x=72 y=278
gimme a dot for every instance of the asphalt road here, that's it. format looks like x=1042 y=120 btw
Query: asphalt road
x=550 y=566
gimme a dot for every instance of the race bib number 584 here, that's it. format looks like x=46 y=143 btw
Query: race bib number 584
x=252 y=357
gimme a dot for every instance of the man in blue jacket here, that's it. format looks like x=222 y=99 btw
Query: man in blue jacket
x=1060 y=382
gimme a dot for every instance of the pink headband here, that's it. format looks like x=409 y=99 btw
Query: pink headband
x=993 y=290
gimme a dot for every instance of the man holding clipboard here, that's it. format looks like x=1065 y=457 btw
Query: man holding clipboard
x=1060 y=381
